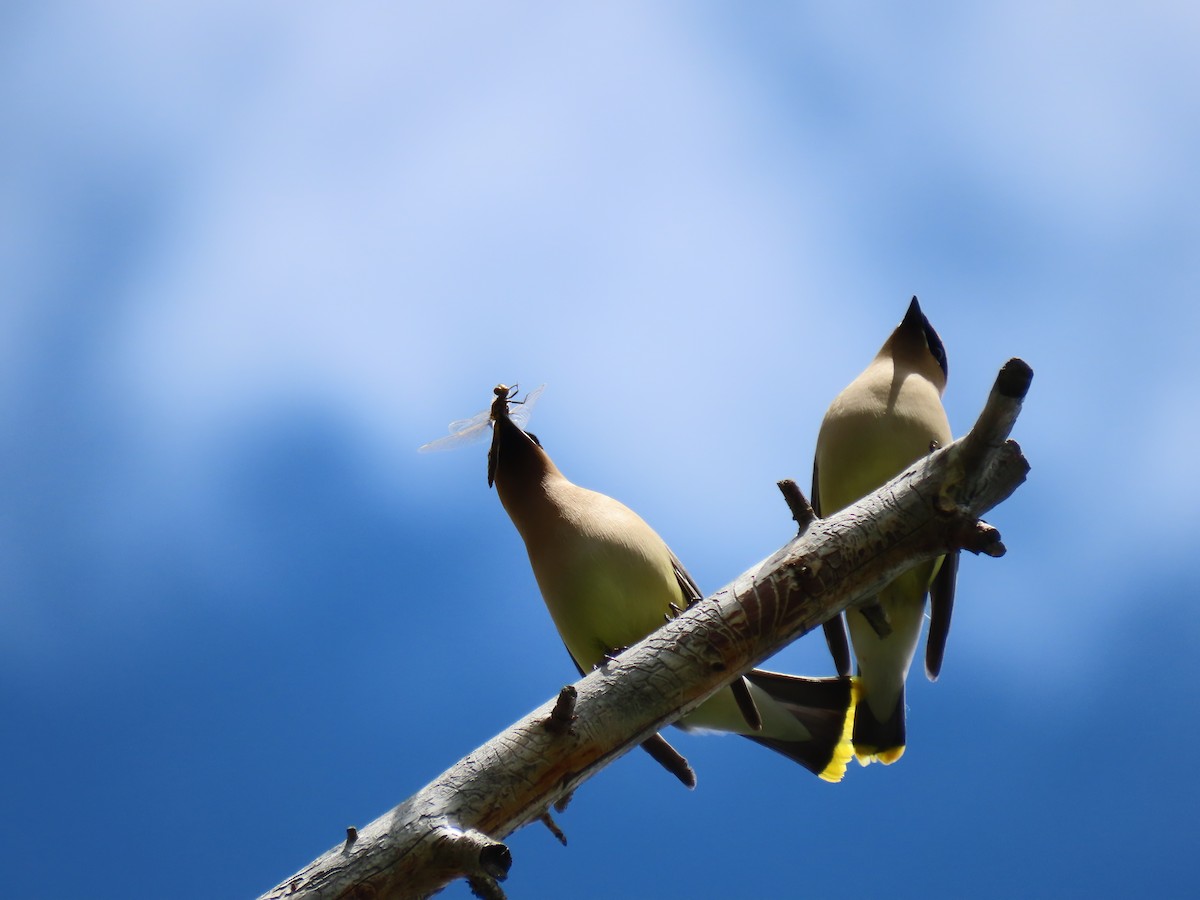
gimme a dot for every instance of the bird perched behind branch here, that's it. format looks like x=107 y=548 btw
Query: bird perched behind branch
x=609 y=580
x=887 y=418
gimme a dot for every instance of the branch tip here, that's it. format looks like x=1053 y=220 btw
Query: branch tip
x=485 y=888
x=670 y=759
x=1014 y=378
x=802 y=510
x=562 y=717
x=547 y=820
x=995 y=422
x=983 y=538
x=495 y=860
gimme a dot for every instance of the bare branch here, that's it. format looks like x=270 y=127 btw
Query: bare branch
x=802 y=510
x=452 y=827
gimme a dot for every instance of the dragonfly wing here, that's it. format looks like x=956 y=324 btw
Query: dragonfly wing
x=480 y=418
x=521 y=410
x=462 y=431
x=469 y=431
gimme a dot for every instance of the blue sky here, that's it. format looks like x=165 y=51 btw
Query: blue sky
x=253 y=254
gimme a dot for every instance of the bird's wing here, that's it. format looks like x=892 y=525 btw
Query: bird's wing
x=941 y=605
x=687 y=584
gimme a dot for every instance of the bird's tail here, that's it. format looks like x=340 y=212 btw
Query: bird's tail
x=876 y=740
x=824 y=707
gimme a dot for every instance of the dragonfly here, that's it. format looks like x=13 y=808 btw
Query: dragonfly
x=473 y=429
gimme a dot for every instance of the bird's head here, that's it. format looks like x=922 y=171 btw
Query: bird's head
x=516 y=460
x=916 y=343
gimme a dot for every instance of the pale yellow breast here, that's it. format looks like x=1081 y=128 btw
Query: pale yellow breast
x=605 y=575
x=874 y=429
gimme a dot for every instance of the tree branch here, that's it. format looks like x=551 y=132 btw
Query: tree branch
x=453 y=827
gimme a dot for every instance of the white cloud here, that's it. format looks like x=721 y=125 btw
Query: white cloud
x=386 y=212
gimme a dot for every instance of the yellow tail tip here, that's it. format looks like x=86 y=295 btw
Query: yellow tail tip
x=844 y=750
x=868 y=755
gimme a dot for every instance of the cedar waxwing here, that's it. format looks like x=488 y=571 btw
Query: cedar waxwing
x=886 y=419
x=609 y=580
